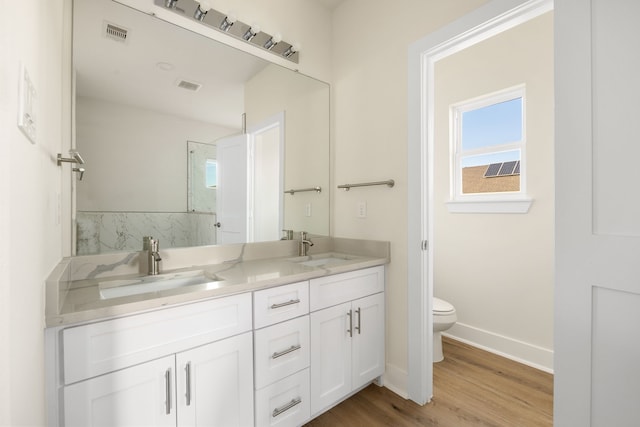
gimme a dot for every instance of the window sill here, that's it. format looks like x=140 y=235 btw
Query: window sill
x=518 y=206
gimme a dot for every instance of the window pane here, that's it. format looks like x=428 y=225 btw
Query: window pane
x=491 y=173
x=494 y=124
x=211 y=174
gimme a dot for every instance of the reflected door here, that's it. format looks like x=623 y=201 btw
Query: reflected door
x=232 y=190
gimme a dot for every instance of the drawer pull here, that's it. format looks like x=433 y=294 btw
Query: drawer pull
x=359 y=316
x=287 y=351
x=167 y=382
x=286 y=407
x=350 y=330
x=187 y=368
x=284 y=304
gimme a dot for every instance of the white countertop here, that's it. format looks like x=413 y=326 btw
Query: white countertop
x=79 y=300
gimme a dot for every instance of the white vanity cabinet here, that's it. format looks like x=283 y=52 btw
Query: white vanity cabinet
x=347 y=334
x=184 y=366
x=282 y=354
x=271 y=357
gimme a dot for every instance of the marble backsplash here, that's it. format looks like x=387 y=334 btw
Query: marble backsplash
x=104 y=232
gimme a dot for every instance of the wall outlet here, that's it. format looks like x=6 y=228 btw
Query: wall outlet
x=362 y=209
x=307 y=209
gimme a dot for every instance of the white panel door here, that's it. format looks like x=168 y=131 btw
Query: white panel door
x=142 y=395
x=368 y=339
x=233 y=196
x=330 y=356
x=215 y=383
x=597 y=325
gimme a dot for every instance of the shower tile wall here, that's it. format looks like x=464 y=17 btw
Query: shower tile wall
x=102 y=232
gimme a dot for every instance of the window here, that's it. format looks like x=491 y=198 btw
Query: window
x=488 y=151
x=211 y=173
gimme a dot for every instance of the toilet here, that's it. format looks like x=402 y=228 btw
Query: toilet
x=444 y=317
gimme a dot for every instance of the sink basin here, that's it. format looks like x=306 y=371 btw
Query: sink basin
x=162 y=282
x=326 y=260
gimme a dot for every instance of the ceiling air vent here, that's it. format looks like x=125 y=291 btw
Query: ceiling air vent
x=115 y=32
x=192 y=86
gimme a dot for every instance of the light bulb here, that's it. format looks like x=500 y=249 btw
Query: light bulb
x=251 y=32
x=201 y=10
x=292 y=49
x=274 y=40
x=205 y=6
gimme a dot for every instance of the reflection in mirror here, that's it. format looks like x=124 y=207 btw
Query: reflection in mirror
x=140 y=99
x=202 y=179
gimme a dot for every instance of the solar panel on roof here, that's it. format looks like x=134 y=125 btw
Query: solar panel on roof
x=493 y=170
x=503 y=169
x=507 y=168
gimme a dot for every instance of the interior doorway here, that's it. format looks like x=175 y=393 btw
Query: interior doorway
x=482 y=24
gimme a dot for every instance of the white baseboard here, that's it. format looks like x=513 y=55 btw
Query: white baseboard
x=395 y=379
x=522 y=352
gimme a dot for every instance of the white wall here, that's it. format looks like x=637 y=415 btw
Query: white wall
x=369 y=112
x=305 y=103
x=298 y=21
x=31 y=32
x=113 y=138
x=497 y=269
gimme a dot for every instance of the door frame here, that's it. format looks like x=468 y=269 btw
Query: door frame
x=485 y=22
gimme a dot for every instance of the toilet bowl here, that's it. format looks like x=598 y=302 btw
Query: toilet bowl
x=444 y=317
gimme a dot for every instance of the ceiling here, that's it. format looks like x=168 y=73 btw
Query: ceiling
x=128 y=72
x=331 y=4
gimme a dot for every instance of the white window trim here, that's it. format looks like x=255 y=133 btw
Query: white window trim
x=505 y=202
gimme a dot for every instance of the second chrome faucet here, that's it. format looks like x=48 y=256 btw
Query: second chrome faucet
x=304 y=244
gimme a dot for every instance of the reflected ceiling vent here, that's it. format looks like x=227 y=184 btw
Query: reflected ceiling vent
x=192 y=86
x=115 y=32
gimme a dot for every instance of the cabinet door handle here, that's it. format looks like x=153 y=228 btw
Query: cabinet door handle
x=286 y=407
x=284 y=304
x=287 y=351
x=350 y=330
x=359 y=315
x=187 y=369
x=167 y=382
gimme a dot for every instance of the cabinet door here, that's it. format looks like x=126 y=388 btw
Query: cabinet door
x=330 y=356
x=142 y=395
x=368 y=339
x=215 y=383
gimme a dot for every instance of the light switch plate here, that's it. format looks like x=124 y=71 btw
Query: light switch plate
x=27 y=105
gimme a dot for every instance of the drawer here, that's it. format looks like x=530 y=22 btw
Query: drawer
x=284 y=403
x=281 y=303
x=281 y=350
x=338 y=288
x=102 y=347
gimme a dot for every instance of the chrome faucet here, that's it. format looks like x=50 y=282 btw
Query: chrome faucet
x=304 y=245
x=152 y=246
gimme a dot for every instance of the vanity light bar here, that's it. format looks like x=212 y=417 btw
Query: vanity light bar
x=200 y=11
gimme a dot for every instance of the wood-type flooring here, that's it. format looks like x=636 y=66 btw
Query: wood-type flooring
x=472 y=388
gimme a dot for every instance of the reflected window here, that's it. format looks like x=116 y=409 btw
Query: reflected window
x=211 y=173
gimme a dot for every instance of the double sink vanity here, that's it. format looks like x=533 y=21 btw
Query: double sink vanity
x=236 y=335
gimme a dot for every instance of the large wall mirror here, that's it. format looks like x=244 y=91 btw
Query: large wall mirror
x=158 y=119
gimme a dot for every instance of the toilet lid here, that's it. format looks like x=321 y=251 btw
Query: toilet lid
x=441 y=306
